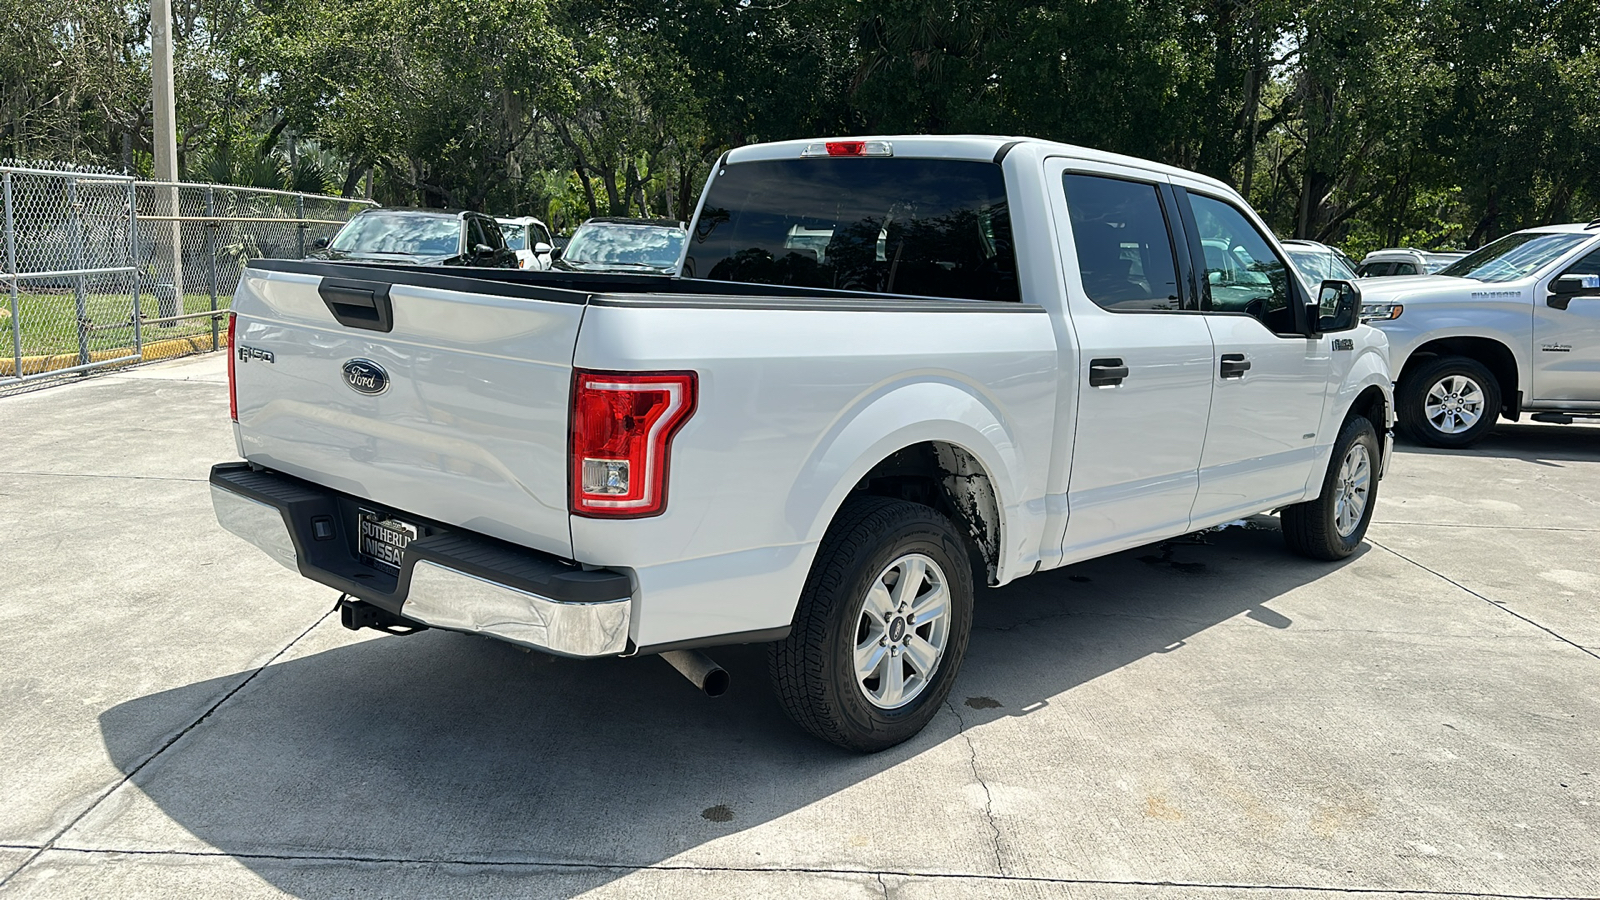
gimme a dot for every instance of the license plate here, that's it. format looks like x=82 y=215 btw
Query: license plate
x=383 y=538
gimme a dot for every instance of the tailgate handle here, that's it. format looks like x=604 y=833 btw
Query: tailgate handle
x=358 y=304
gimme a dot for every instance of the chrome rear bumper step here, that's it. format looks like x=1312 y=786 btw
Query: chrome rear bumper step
x=450 y=578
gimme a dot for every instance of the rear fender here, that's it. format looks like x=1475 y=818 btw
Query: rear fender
x=900 y=416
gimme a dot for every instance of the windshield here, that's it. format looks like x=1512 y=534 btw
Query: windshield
x=400 y=234
x=1319 y=265
x=1514 y=256
x=516 y=235
x=622 y=244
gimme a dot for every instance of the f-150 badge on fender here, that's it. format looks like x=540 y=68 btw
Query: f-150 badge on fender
x=365 y=376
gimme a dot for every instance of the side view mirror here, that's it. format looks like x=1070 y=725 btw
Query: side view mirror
x=541 y=248
x=319 y=244
x=482 y=249
x=555 y=253
x=1567 y=287
x=1337 y=308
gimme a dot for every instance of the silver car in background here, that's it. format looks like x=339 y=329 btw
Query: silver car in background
x=635 y=246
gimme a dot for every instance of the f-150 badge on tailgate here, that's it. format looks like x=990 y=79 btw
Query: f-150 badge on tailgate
x=365 y=376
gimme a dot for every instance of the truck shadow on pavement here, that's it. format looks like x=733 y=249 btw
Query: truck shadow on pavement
x=446 y=749
x=1528 y=442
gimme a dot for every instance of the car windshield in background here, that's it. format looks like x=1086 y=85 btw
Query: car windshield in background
x=516 y=235
x=1514 y=256
x=1320 y=265
x=401 y=234
x=925 y=227
x=625 y=244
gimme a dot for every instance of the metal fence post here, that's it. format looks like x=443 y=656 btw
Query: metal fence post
x=138 y=271
x=75 y=213
x=211 y=256
x=11 y=270
x=300 y=226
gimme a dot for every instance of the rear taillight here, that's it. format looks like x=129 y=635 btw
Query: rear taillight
x=622 y=428
x=233 y=387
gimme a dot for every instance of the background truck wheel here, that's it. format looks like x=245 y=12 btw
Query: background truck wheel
x=1332 y=526
x=881 y=626
x=1452 y=401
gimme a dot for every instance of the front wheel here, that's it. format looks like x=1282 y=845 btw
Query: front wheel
x=881 y=626
x=1331 y=526
x=1450 y=402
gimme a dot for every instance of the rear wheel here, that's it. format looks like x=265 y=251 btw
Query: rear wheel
x=1452 y=401
x=881 y=626
x=1331 y=527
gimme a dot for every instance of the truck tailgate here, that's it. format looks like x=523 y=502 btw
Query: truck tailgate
x=457 y=412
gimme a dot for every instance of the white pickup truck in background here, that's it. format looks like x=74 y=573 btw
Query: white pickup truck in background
x=891 y=370
x=1512 y=328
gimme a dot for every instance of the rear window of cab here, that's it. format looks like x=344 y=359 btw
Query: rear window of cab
x=919 y=227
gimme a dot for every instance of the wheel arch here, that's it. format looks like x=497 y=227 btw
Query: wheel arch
x=1492 y=353
x=963 y=463
x=1373 y=405
x=946 y=477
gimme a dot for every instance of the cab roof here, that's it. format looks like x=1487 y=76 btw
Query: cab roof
x=976 y=147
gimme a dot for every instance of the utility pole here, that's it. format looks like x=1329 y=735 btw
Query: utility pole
x=165 y=145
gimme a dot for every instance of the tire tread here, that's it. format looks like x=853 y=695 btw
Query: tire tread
x=798 y=664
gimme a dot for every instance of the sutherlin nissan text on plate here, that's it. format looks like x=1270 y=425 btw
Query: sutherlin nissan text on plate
x=891 y=370
x=1512 y=328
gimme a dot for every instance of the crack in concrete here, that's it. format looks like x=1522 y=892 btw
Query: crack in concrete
x=625 y=868
x=988 y=798
x=1490 y=527
x=881 y=886
x=129 y=775
x=1500 y=605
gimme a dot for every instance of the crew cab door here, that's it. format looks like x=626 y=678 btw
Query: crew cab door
x=1566 y=342
x=1144 y=382
x=1269 y=381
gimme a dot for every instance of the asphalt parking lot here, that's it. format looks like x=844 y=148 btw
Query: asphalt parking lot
x=1208 y=717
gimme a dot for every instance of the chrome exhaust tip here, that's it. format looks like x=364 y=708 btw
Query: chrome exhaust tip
x=699 y=669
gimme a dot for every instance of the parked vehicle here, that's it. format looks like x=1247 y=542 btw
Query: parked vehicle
x=420 y=237
x=1318 y=262
x=1405 y=261
x=608 y=244
x=908 y=366
x=530 y=238
x=1511 y=328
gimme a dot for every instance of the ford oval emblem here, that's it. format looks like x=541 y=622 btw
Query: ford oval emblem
x=365 y=376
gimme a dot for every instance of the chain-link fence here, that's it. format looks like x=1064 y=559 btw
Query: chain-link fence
x=104 y=270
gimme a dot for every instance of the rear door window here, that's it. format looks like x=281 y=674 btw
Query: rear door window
x=924 y=227
x=1124 y=249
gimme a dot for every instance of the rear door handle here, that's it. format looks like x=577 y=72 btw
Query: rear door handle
x=1107 y=372
x=1234 y=365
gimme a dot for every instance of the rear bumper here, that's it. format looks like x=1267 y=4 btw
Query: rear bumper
x=450 y=578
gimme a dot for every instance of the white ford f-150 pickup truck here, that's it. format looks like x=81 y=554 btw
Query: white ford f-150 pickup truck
x=890 y=370
x=1512 y=328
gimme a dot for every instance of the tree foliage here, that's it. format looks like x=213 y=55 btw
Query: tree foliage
x=1368 y=122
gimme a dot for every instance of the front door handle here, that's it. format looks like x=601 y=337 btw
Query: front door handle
x=1234 y=365
x=1107 y=372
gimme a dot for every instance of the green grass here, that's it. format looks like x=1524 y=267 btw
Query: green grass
x=48 y=322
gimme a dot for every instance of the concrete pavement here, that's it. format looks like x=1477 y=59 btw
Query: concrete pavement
x=1206 y=717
